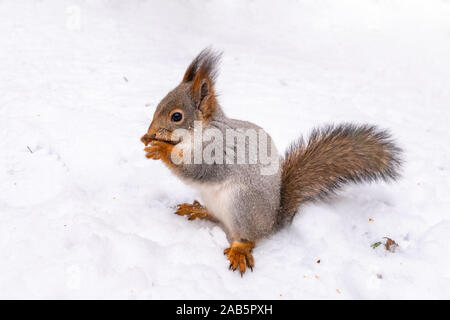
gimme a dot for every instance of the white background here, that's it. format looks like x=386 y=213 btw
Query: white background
x=86 y=215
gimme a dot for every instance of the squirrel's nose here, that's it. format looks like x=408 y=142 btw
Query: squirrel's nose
x=146 y=138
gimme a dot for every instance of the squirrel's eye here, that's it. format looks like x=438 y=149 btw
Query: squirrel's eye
x=176 y=117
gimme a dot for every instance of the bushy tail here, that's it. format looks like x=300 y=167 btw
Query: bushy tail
x=331 y=157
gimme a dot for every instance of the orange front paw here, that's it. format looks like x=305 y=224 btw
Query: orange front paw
x=194 y=211
x=153 y=152
x=239 y=255
x=159 y=150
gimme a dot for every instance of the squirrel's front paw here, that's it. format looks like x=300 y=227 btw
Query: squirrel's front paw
x=240 y=255
x=194 y=211
x=153 y=152
x=158 y=150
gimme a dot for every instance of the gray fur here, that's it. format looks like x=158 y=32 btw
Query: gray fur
x=255 y=207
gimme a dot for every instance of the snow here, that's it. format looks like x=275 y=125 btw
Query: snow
x=83 y=214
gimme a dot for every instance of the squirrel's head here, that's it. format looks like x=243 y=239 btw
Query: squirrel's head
x=193 y=99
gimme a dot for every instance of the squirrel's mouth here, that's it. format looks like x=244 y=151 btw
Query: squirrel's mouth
x=165 y=141
x=147 y=139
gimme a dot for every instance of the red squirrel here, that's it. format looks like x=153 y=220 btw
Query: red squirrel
x=248 y=204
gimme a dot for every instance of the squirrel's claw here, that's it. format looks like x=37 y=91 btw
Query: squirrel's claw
x=240 y=256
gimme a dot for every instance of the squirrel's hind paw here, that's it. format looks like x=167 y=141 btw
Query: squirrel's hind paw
x=240 y=255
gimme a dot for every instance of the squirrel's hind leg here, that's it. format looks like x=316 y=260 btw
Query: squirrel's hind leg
x=194 y=211
x=240 y=255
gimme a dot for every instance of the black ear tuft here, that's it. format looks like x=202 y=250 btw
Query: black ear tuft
x=205 y=65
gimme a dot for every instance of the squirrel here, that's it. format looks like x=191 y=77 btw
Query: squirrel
x=247 y=204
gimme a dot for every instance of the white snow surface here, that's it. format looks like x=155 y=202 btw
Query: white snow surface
x=83 y=213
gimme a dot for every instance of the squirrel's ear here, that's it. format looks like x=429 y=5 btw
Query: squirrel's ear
x=202 y=89
x=202 y=73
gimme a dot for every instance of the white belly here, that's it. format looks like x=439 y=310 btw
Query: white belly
x=217 y=198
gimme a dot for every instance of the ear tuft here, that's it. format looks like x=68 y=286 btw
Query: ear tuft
x=206 y=62
x=201 y=74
